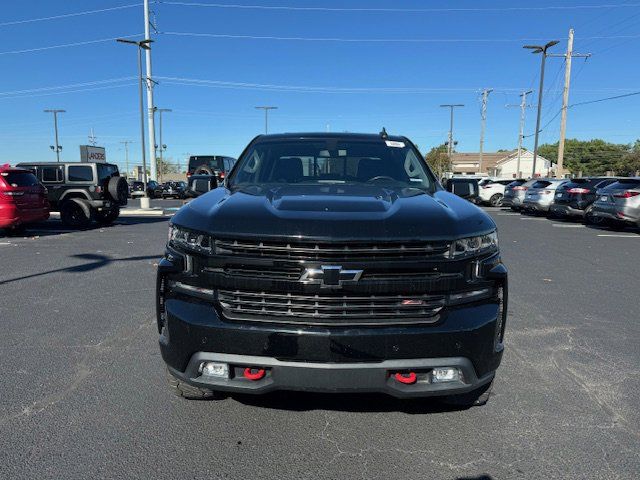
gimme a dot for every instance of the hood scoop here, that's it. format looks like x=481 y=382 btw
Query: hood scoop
x=333 y=200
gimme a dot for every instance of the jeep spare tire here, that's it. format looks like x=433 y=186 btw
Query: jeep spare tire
x=118 y=189
x=204 y=171
x=75 y=212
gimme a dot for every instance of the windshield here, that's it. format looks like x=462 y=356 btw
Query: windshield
x=333 y=161
x=106 y=170
x=205 y=163
x=20 y=179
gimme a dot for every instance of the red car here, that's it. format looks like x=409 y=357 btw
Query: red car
x=23 y=199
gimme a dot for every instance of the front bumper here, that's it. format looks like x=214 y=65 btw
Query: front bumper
x=333 y=359
x=333 y=377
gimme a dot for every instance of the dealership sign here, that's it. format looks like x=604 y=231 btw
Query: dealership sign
x=89 y=153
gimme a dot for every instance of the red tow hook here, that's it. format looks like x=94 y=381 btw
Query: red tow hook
x=407 y=379
x=249 y=373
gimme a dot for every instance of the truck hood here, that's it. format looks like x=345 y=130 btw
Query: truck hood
x=333 y=212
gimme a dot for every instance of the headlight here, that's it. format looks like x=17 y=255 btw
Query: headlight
x=185 y=239
x=473 y=246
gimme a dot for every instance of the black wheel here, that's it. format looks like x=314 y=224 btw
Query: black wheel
x=107 y=217
x=477 y=397
x=75 y=212
x=496 y=200
x=184 y=390
x=591 y=219
x=118 y=189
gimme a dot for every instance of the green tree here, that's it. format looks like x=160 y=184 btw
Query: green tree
x=591 y=157
x=438 y=160
x=630 y=163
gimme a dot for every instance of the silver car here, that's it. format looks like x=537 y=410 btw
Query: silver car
x=619 y=202
x=539 y=196
x=514 y=193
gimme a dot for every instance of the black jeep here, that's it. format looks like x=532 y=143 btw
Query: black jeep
x=81 y=191
x=333 y=263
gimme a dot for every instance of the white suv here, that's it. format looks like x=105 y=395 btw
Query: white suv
x=492 y=190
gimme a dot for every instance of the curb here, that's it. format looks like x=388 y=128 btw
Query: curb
x=132 y=213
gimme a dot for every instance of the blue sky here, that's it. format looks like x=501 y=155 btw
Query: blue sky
x=443 y=63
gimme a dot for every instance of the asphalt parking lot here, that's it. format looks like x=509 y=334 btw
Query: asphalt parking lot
x=83 y=393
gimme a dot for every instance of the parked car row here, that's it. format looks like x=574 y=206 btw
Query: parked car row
x=158 y=190
x=596 y=200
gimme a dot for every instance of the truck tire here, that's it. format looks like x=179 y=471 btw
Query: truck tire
x=184 y=390
x=204 y=171
x=477 y=397
x=75 y=212
x=118 y=190
x=107 y=217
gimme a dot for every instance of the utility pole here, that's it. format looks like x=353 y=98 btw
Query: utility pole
x=142 y=45
x=266 y=116
x=565 y=98
x=483 y=122
x=126 y=155
x=150 y=108
x=58 y=147
x=523 y=106
x=93 y=140
x=539 y=49
x=161 y=145
x=450 y=142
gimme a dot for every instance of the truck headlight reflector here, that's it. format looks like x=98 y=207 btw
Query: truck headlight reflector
x=474 y=245
x=183 y=238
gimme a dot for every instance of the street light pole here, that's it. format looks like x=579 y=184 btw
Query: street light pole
x=58 y=147
x=450 y=143
x=543 y=50
x=266 y=116
x=126 y=155
x=162 y=146
x=142 y=45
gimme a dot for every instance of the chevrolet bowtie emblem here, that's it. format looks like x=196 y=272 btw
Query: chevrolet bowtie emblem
x=330 y=276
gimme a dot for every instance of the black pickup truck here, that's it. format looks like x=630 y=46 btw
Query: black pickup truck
x=332 y=263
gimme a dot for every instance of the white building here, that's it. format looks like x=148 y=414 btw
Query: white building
x=500 y=164
x=508 y=166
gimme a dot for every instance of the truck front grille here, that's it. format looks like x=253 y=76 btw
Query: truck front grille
x=330 y=309
x=331 y=252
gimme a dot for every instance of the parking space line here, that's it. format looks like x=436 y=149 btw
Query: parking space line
x=535 y=218
x=617 y=235
x=509 y=214
x=562 y=225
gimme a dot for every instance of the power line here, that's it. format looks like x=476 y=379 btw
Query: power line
x=312 y=89
x=65 y=45
x=398 y=10
x=352 y=40
x=584 y=103
x=68 y=15
x=107 y=87
x=604 y=99
x=71 y=85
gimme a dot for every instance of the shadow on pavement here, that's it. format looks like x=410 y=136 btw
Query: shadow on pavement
x=363 y=402
x=54 y=226
x=95 y=262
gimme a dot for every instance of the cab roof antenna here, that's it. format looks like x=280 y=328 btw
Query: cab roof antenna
x=383 y=133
